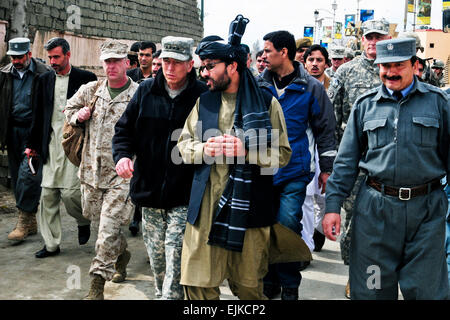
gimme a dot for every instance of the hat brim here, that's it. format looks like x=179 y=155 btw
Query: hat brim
x=338 y=57
x=106 y=56
x=392 y=59
x=174 y=55
x=16 y=53
x=375 y=31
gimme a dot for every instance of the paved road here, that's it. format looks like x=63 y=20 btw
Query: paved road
x=66 y=276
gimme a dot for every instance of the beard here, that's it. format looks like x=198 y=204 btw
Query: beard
x=220 y=84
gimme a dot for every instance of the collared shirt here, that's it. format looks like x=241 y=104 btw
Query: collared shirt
x=404 y=91
x=22 y=85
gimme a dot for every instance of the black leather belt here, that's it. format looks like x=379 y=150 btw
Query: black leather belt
x=406 y=193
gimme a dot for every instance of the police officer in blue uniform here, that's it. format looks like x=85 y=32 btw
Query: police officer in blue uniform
x=399 y=135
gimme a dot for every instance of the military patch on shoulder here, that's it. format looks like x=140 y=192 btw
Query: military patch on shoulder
x=335 y=82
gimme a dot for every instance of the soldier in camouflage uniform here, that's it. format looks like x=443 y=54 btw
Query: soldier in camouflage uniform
x=350 y=81
x=437 y=75
x=337 y=55
x=160 y=184
x=104 y=194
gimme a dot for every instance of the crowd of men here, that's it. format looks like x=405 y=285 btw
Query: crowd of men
x=238 y=173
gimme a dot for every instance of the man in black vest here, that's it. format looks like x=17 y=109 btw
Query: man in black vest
x=230 y=209
x=59 y=175
x=160 y=184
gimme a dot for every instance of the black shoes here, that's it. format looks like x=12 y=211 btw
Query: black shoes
x=319 y=240
x=134 y=227
x=271 y=291
x=84 y=232
x=44 y=253
x=303 y=265
x=289 y=294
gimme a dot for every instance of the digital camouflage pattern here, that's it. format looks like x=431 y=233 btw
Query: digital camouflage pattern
x=377 y=26
x=329 y=72
x=163 y=232
x=347 y=230
x=97 y=166
x=109 y=209
x=350 y=81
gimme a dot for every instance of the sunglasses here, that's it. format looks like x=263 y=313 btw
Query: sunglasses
x=209 y=66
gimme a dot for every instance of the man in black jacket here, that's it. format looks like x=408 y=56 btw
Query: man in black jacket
x=145 y=57
x=149 y=129
x=59 y=175
x=17 y=89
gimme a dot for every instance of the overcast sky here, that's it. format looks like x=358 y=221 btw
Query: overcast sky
x=292 y=15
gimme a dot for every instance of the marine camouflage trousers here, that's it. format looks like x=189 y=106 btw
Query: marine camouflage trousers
x=163 y=232
x=108 y=209
x=348 y=207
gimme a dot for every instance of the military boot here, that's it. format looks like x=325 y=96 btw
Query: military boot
x=26 y=225
x=97 y=287
x=121 y=267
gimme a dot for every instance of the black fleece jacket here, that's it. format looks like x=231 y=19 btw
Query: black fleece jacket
x=145 y=130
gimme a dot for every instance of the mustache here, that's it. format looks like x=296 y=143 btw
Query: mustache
x=393 y=78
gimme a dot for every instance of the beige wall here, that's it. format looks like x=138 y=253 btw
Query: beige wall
x=85 y=52
x=441 y=50
x=3 y=44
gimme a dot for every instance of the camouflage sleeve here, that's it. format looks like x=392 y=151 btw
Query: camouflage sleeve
x=78 y=101
x=336 y=95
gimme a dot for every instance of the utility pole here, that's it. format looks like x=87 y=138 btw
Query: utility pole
x=202 y=7
x=357 y=11
x=333 y=30
x=414 y=21
x=405 y=19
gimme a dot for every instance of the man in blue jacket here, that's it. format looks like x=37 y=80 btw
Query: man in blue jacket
x=310 y=120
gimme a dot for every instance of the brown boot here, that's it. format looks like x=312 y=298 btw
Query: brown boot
x=347 y=290
x=97 y=288
x=121 y=267
x=26 y=225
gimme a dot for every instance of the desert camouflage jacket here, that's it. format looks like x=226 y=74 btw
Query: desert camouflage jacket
x=97 y=167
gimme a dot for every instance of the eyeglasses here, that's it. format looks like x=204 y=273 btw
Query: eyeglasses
x=209 y=66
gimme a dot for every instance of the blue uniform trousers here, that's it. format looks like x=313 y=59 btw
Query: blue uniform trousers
x=398 y=242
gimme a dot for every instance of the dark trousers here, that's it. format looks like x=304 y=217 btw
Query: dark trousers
x=26 y=187
x=291 y=196
x=397 y=242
